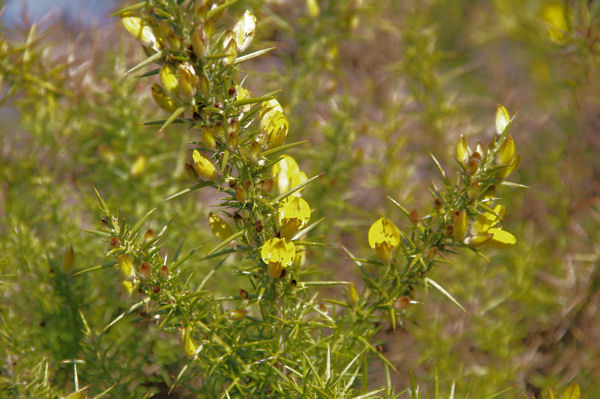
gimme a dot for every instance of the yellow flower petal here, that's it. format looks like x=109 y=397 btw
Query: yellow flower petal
x=203 y=166
x=244 y=31
x=500 y=238
x=219 y=227
x=278 y=253
x=502 y=119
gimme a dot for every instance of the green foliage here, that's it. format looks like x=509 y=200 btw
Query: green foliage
x=150 y=293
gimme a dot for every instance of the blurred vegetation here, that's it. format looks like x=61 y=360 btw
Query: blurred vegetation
x=375 y=87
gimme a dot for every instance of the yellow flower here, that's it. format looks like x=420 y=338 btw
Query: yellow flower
x=273 y=123
x=278 y=253
x=554 y=15
x=384 y=237
x=294 y=214
x=288 y=175
x=162 y=99
x=229 y=48
x=187 y=79
x=244 y=31
x=168 y=77
x=126 y=267
x=502 y=119
x=187 y=342
x=507 y=158
x=460 y=225
x=140 y=30
x=203 y=166
x=138 y=166
x=219 y=227
x=485 y=231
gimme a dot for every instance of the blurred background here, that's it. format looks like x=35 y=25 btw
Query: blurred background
x=375 y=86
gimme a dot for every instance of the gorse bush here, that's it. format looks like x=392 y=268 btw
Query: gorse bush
x=275 y=336
x=219 y=219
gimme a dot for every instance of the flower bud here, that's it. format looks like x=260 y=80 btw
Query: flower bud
x=128 y=286
x=502 y=119
x=145 y=271
x=244 y=31
x=506 y=151
x=414 y=216
x=126 y=267
x=138 y=166
x=203 y=166
x=208 y=138
x=352 y=294
x=229 y=48
x=460 y=225
x=168 y=77
x=188 y=344
x=187 y=79
x=237 y=315
x=240 y=194
x=462 y=151
x=164 y=272
x=162 y=99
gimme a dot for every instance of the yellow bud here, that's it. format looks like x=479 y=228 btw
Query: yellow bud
x=126 y=267
x=203 y=166
x=232 y=136
x=162 y=99
x=128 y=286
x=502 y=119
x=68 y=259
x=168 y=77
x=462 y=151
x=208 y=138
x=352 y=294
x=514 y=162
x=187 y=79
x=138 y=166
x=460 y=225
x=313 y=8
x=145 y=271
x=244 y=31
x=240 y=194
x=140 y=30
x=554 y=15
x=188 y=344
x=506 y=151
x=237 y=315
x=229 y=48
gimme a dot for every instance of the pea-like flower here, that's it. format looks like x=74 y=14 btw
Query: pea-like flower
x=273 y=123
x=485 y=230
x=288 y=175
x=278 y=253
x=139 y=29
x=294 y=214
x=203 y=167
x=244 y=31
x=384 y=237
